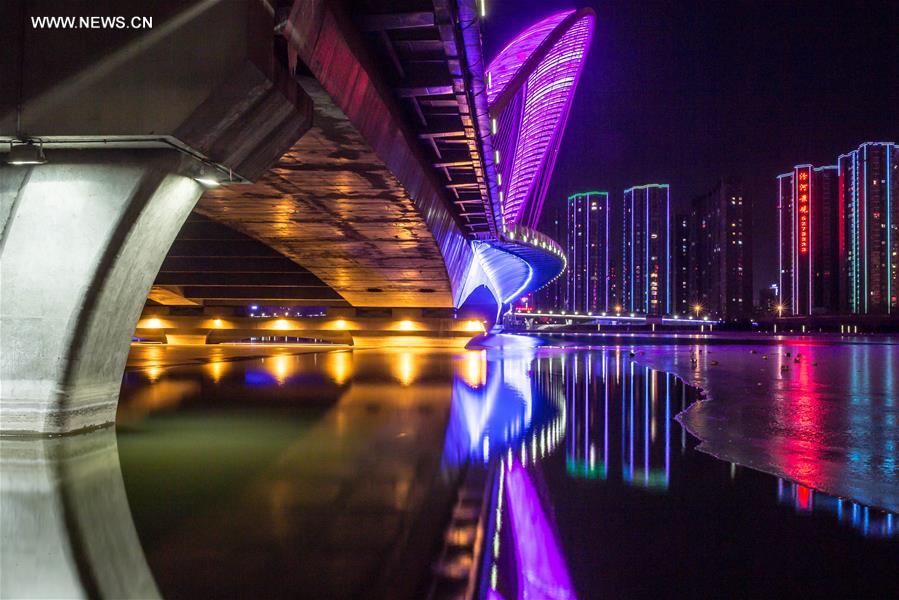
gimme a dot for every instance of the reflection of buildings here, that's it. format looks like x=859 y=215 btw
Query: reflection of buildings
x=619 y=428
x=839 y=234
x=646 y=252
x=587 y=249
x=868 y=521
x=618 y=413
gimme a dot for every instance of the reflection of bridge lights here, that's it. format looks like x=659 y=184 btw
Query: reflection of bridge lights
x=279 y=366
x=216 y=370
x=474 y=368
x=474 y=325
x=340 y=367
x=153 y=373
x=405 y=368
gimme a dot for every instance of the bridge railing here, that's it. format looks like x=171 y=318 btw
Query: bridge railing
x=525 y=235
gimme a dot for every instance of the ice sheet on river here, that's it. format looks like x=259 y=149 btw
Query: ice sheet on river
x=821 y=414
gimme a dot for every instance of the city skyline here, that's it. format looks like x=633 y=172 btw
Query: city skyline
x=716 y=89
x=449 y=299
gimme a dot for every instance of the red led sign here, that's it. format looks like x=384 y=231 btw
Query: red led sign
x=802 y=206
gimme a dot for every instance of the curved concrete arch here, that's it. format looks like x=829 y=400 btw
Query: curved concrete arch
x=66 y=523
x=84 y=235
x=84 y=239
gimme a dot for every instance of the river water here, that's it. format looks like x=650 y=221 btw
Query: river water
x=331 y=475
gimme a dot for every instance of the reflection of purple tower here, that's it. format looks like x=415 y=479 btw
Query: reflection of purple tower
x=530 y=85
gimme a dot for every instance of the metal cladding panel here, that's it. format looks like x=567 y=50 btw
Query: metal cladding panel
x=530 y=86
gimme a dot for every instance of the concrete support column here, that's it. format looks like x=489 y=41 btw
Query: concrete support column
x=83 y=238
x=65 y=521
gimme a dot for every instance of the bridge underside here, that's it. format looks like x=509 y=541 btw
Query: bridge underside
x=331 y=205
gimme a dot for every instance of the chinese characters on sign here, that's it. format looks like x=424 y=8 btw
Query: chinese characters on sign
x=802 y=204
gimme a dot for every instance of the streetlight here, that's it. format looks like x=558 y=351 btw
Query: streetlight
x=780 y=310
x=697 y=308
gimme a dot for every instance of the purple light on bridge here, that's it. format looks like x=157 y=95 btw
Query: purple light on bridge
x=531 y=84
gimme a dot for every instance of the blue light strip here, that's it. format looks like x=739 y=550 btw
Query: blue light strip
x=524 y=285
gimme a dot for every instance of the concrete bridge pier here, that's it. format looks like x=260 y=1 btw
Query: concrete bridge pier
x=83 y=238
x=66 y=524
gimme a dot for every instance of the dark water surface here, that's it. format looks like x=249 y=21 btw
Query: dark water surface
x=318 y=475
x=625 y=507
x=330 y=475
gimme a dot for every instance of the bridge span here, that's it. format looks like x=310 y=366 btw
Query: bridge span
x=375 y=148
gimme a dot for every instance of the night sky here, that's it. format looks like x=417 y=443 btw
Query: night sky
x=685 y=92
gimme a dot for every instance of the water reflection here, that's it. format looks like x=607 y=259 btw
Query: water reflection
x=620 y=434
x=332 y=473
x=812 y=411
x=313 y=474
x=864 y=519
x=66 y=524
x=494 y=409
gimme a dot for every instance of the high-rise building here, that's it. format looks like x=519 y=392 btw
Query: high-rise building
x=839 y=234
x=785 y=240
x=646 y=250
x=681 y=262
x=587 y=249
x=720 y=272
x=825 y=224
x=868 y=238
x=795 y=244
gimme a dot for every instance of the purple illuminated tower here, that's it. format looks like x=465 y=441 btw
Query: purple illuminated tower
x=529 y=88
x=530 y=85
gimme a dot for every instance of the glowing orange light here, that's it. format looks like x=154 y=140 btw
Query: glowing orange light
x=216 y=369
x=405 y=368
x=474 y=325
x=340 y=366
x=281 y=324
x=406 y=325
x=153 y=373
x=280 y=367
x=474 y=368
x=153 y=323
x=340 y=324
